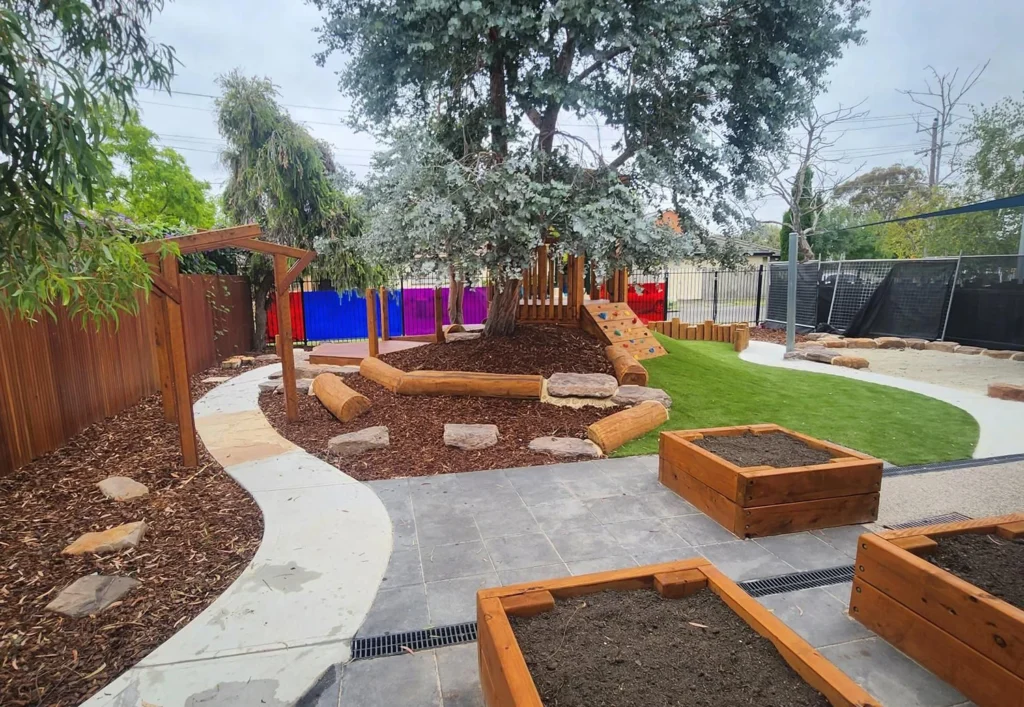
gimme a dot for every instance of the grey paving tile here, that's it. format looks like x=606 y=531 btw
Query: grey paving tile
x=644 y=536
x=624 y=466
x=743 y=559
x=529 y=475
x=891 y=677
x=670 y=555
x=666 y=504
x=397 y=610
x=601 y=564
x=446 y=528
x=431 y=487
x=454 y=601
x=574 y=471
x=452 y=561
x=698 y=529
x=391 y=492
x=403 y=534
x=615 y=509
x=326 y=691
x=533 y=574
x=407 y=680
x=585 y=544
x=491 y=479
x=843 y=538
x=841 y=592
x=404 y=568
x=816 y=615
x=640 y=481
x=803 y=551
x=459 y=672
x=595 y=486
x=547 y=492
x=510 y=521
x=515 y=552
x=562 y=516
x=483 y=499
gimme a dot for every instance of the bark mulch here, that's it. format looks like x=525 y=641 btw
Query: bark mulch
x=203 y=531
x=773 y=336
x=988 y=562
x=776 y=449
x=532 y=349
x=416 y=428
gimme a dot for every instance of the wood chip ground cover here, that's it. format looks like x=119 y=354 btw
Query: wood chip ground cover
x=203 y=530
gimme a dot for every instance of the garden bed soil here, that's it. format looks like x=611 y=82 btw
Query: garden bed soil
x=775 y=449
x=536 y=349
x=203 y=531
x=416 y=428
x=988 y=562
x=635 y=649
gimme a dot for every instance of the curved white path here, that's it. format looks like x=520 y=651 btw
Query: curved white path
x=1001 y=422
x=293 y=611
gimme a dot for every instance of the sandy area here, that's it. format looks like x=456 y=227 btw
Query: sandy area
x=952 y=370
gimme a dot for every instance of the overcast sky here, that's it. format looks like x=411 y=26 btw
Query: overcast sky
x=276 y=38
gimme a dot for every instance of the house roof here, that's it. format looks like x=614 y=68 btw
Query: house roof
x=671 y=218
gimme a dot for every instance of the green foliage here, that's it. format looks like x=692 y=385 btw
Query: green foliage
x=882 y=190
x=996 y=168
x=972 y=234
x=61 y=63
x=834 y=238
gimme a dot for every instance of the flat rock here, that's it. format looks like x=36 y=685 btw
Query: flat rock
x=891 y=342
x=231 y=364
x=833 y=343
x=850 y=362
x=216 y=379
x=470 y=436
x=565 y=447
x=268 y=358
x=121 y=488
x=271 y=386
x=462 y=336
x=821 y=336
x=968 y=350
x=861 y=344
x=943 y=346
x=916 y=343
x=823 y=356
x=582 y=385
x=797 y=355
x=636 y=394
x=998 y=354
x=91 y=595
x=115 y=539
x=365 y=440
x=312 y=370
x=1006 y=391
x=1018 y=356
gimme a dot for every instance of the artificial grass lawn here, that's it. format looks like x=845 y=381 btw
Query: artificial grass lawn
x=711 y=387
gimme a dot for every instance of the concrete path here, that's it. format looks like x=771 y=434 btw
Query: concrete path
x=292 y=612
x=1000 y=421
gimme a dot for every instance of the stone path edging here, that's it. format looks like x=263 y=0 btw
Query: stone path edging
x=294 y=609
x=999 y=421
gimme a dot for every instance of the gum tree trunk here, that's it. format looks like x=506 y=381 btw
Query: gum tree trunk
x=262 y=290
x=501 y=313
x=456 y=293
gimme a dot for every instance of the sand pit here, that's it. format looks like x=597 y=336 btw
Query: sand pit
x=952 y=370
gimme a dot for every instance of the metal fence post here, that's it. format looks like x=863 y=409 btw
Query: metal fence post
x=835 y=291
x=401 y=285
x=666 y=292
x=757 y=303
x=791 y=295
x=714 y=299
x=952 y=291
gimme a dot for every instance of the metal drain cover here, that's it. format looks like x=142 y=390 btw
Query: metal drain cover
x=798 y=580
x=930 y=520
x=419 y=640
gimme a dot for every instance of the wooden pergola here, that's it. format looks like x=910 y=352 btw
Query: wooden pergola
x=169 y=325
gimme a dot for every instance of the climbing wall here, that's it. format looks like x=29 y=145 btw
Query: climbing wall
x=616 y=324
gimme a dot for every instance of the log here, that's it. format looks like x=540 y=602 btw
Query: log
x=741 y=337
x=485 y=385
x=380 y=372
x=615 y=430
x=343 y=402
x=627 y=370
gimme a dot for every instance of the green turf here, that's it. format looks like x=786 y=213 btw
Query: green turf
x=711 y=387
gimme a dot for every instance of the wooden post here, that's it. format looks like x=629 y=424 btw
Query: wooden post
x=371 y=323
x=438 y=316
x=161 y=348
x=284 y=329
x=178 y=365
x=384 y=333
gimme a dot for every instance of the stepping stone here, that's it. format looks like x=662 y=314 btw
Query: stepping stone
x=891 y=342
x=850 y=362
x=121 y=488
x=822 y=336
x=231 y=364
x=998 y=354
x=943 y=346
x=353 y=443
x=565 y=447
x=268 y=358
x=91 y=595
x=271 y=386
x=217 y=379
x=470 y=436
x=312 y=370
x=1018 y=356
x=119 y=538
x=636 y=394
x=968 y=350
x=833 y=343
x=462 y=336
x=818 y=354
x=582 y=385
x=861 y=344
x=1006 y=391
x=916 y=343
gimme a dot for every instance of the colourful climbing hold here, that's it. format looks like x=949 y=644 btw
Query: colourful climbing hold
x=603 y=315
x=650 y=350
x=618 y=333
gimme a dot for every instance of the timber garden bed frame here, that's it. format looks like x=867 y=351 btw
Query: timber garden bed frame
x=758 y=501
x=505 y=677
x=963 y=634
x=169 y=328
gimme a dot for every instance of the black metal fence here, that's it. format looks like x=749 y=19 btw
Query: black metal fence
x=696 y=294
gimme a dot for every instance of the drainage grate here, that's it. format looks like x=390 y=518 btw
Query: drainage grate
x=420 y=640
x=947 y=466
x=797 y=580
x=931 y=520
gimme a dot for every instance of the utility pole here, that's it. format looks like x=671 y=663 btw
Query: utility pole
x=933 y=176
x=791 y=294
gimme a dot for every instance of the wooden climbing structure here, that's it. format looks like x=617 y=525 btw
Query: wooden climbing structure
x=617 y=325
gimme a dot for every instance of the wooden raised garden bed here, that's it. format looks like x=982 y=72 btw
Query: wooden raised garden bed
x=505 y=674
x=756 y=500
x=962 y=633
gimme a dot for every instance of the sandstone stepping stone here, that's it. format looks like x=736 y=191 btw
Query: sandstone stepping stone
x=821 y=336
x=1017 y=356
x=833 y=343
x=231 y=363
x=312 y=370
x=636 y=394
x=823 y=356
x=470 y=436
x=365 y=440
x=1006 y=391
x=861 y=344
x=118 y=538
x=968 y=350
x=943 y=346
x=891 y=342
x=916 y=343
x=121 y=488
x=268 y=358
x=271 y=386
x=850 y=362
x=998 y=354
x=91 y=595
x=462 y=336
x=217 y=379
x=797 y=355
x=582 y=385
x=565 y=447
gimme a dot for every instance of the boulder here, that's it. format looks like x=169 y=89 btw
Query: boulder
x=470 y=436
x=1006 y=391
x=91 y=595
x=891 y=342
x=268 y=358
x=833 y=343
x=636 y=394
x=366 y=440
x=798 y=355
x=998 y=354
x=943 y=346
x=582 y=385
x=850 y=362
x=246 y=360
x=861 y=344
x=312 y=370
x=565 y=447
x=121 y=488
x=823 y=356
x=216 y=379
x=916 y=343
x=231 y=364
x=968 y=350
x=1018 y=356
x=821 y=336
x=115 y=539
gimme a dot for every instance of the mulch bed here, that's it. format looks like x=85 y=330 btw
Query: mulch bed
x=636 y=649
x=416 y=428
x=987 y=561
x=772 y=336
x=532 y=349
x=776 y=449
x=203 y=531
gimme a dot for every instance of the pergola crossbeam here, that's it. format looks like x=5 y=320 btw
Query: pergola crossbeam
x=204 y=240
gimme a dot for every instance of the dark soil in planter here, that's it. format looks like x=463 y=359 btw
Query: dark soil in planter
x=987 y=561
x=636 y=649
x=776 y=449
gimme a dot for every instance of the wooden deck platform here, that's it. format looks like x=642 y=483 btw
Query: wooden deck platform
x=352 y=353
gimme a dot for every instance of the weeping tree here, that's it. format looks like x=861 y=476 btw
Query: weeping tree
x=695 y=90
x=281 y=177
